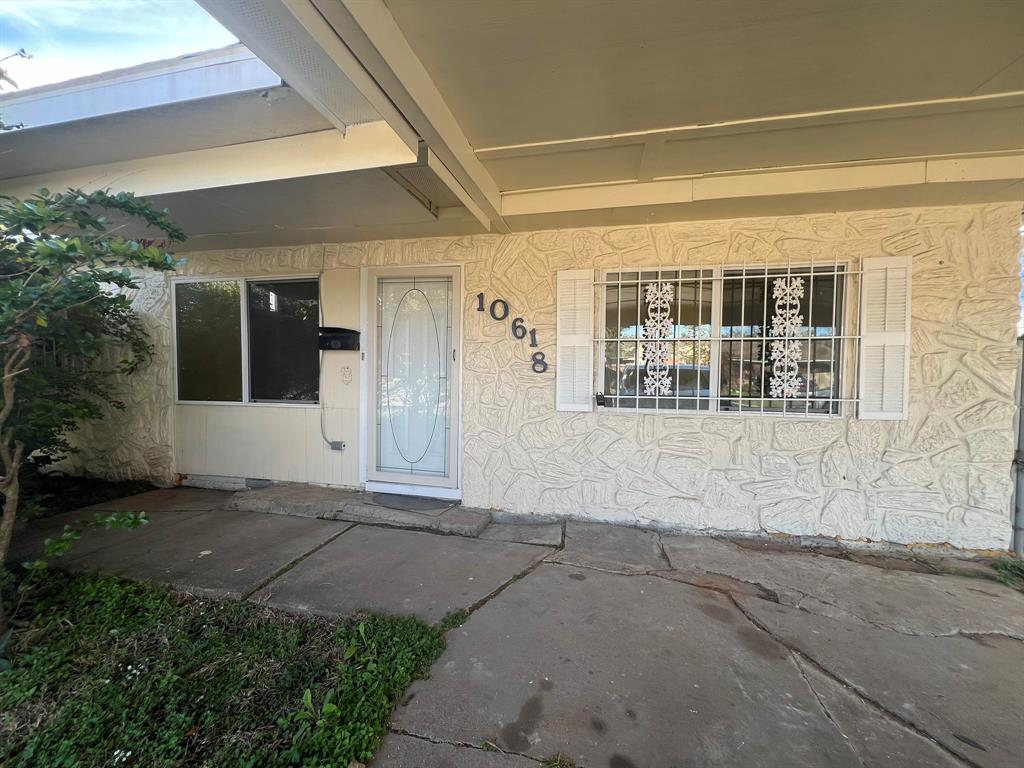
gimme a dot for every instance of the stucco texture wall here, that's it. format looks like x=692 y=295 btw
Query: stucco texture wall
x=942 y=476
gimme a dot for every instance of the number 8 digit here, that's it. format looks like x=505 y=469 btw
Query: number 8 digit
x=540 y=365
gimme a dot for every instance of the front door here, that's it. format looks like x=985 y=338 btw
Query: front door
x=413 y=430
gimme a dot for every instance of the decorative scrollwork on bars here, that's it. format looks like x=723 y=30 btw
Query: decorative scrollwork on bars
x=657 y=327
x=786 y=325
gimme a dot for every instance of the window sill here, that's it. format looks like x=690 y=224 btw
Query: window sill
x=236 y=403
x=726 y=414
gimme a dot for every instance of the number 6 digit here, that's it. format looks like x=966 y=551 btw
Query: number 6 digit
x=518 y=328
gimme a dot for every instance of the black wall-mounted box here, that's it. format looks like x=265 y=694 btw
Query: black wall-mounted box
x=338 y=338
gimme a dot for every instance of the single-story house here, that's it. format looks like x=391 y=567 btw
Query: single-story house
x=746 y=267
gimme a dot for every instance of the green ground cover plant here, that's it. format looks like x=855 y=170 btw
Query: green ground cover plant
x=105 y=672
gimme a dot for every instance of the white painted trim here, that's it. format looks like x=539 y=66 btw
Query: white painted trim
x=767 y=182
x=449 y=180
x=430 y=491
x=391 y=61
x=979 y=168
x=364 y=372
x=596 y=196
x=370 y=145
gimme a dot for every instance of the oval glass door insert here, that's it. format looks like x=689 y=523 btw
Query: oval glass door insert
x=413 y=396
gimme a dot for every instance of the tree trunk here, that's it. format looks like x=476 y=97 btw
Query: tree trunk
x=11 y=491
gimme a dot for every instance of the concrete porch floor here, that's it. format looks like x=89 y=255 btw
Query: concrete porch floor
x=620 y=647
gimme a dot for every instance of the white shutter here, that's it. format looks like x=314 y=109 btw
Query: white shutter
x=885 y=337
x=574 y=347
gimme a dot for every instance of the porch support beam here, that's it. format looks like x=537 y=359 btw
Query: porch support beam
x=364 y=146
x=371 y=33
x=898 y=172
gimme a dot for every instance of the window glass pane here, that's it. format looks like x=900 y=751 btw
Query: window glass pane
x=748 y=368
x=653 y=320
x=284 y=362
x=209 y=334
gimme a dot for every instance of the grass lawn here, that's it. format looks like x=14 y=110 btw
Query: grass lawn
x=107 y=672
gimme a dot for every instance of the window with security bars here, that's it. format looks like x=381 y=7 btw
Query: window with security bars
x=761 y=340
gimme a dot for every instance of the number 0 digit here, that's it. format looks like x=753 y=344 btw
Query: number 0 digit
x=494 y=309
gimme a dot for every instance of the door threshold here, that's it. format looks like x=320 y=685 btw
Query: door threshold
x=426 y=491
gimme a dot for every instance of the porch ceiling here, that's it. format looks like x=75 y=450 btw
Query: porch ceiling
x=534 y=70
x=514 y=115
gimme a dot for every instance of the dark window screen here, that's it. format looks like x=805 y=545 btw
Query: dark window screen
x=284 y=363
x=208 y=322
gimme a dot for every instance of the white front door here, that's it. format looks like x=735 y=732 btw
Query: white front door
x=414 y=328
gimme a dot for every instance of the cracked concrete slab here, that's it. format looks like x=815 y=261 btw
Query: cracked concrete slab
x=542 y=534
x=218 y=553
x=401 y=751
x=611 y=548
x=621 y=670
x=396 y=571
x=962 y=690
x=357 y=507
x=875 y=740
x=904 y=601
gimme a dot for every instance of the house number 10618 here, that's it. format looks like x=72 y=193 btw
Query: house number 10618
x=498 y=310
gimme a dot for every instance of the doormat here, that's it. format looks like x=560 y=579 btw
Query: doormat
x=411 y=503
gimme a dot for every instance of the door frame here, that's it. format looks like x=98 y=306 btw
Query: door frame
x=449 y=487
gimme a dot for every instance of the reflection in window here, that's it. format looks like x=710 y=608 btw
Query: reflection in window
x=209 y=332
x=284 y=363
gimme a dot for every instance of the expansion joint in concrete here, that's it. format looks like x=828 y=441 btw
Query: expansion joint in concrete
x=873 y=704
x=292 y=563
x=486 y=746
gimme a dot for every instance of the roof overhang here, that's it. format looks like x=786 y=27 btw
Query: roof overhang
x=491 y=116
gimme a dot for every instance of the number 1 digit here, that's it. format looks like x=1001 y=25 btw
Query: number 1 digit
x=533 y=337
x=479 y=302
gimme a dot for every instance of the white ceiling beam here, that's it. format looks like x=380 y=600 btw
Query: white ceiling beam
x=295 y=40
x=368 y=145
x=1008 y=166
x=758 y=124
x=441 y=171
x=370 y=31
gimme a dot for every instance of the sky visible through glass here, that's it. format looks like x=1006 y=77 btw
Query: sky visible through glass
x=74 y=38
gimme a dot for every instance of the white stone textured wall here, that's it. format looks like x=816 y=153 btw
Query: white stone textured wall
x=942 y=476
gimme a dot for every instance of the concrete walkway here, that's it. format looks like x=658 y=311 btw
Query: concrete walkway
x=619 y=647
